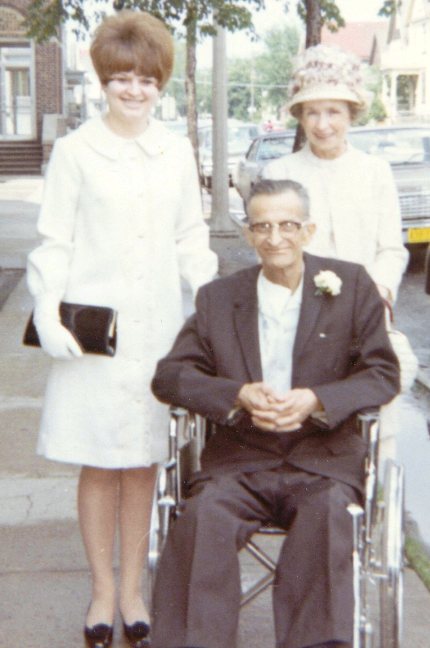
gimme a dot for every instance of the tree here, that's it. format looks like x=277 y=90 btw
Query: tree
x=275 y=64
x=315 y=14
x=239 y=92
x=176 y=87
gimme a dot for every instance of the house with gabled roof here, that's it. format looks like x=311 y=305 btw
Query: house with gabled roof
x=364 y=39
x=405 y=62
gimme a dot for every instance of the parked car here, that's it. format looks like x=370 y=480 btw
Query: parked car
x=239 y=136
x=264 y=149
x=406 y=148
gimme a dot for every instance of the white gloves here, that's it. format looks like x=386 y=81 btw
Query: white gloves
x=57 y=341
x=54 y=338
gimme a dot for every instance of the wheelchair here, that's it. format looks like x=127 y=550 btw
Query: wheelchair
x=378 y=533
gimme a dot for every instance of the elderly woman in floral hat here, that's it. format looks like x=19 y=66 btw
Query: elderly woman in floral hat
x=354 y=201
x=353 y=198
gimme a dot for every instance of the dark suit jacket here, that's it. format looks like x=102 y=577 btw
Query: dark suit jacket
x=341 y=351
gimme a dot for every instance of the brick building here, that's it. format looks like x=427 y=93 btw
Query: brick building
x=31 y=86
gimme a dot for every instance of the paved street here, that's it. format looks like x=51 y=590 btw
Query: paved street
x=43 y=572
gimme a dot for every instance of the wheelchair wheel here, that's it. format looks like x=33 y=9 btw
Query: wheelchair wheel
x=391 y=584
x=163 y=508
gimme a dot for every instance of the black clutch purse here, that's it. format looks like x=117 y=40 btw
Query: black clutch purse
x=94 y=327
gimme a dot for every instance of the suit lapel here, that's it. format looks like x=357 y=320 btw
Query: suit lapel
x=310 y=309
x=246 y=324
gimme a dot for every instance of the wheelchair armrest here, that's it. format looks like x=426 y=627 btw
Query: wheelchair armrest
x=368 y=414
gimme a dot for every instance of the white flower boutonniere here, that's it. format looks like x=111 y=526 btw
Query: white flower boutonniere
x=327 y=283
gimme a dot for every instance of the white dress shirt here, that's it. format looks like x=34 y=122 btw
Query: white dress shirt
x=278 y=316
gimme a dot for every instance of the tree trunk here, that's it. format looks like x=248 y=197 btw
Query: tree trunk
x=313 y=37
x=190 y=87
x=313 y=22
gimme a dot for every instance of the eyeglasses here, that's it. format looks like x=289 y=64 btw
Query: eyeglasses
x=284 y=227
x=127 y=80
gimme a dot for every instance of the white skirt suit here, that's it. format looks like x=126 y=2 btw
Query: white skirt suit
x=121 y=223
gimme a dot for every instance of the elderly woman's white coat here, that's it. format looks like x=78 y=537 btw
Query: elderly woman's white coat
x=121 y=222
x=354 y=203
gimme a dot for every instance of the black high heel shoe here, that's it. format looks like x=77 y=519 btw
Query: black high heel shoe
x=99 y=636
x=137 y=634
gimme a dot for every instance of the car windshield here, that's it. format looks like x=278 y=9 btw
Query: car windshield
x=275 y=147
x=397 y=146
x=239 y=137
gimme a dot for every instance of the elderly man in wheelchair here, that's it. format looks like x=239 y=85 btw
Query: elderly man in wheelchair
x=280 y=358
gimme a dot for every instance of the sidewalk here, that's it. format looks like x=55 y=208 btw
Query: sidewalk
x=43 y=572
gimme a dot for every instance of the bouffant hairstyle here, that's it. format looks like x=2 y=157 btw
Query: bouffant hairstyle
x=133 y=41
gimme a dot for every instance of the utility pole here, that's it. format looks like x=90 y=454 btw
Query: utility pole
x=220 y=221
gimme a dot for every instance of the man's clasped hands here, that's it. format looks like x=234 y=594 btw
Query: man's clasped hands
x=273 y=412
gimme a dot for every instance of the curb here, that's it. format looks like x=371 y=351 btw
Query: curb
x=423 y=379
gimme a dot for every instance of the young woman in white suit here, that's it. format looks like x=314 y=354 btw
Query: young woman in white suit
x=121 y=223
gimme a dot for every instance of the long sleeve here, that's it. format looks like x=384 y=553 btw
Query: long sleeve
x=198 y=264
x=48 y=264
x=373 y=378
x=188 y=377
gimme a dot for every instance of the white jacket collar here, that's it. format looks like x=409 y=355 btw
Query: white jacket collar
x=154 y=140
x=322 y=163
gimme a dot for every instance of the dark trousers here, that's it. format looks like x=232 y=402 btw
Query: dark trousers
x=197 y=592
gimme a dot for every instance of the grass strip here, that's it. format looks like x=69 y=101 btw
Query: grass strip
x=419 y=559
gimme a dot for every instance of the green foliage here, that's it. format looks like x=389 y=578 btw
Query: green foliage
x=261 y=82
x=373 y=83
x=240 y=77
x=377 y=111
x=389 y=7
x=330 y=14
x=274 y=66
x=45 y=16
x=176 y=86
x=204 y=91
